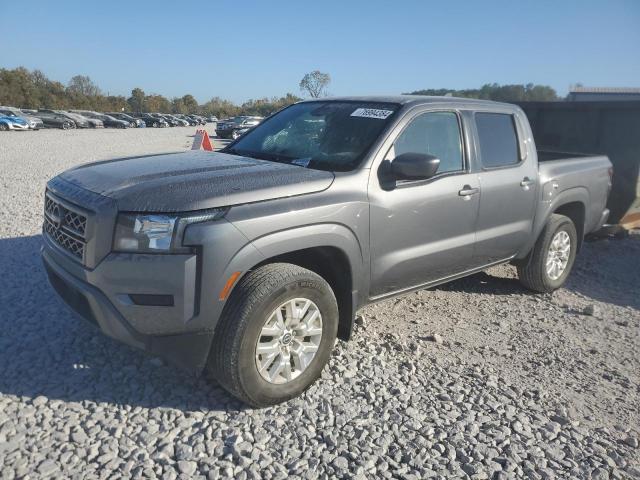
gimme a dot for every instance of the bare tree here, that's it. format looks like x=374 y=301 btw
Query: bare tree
x=315 y=83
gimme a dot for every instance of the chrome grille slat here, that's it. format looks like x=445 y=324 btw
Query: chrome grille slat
x=64 y=240
x=65 y=226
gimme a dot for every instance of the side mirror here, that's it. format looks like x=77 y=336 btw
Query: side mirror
x=414 y=166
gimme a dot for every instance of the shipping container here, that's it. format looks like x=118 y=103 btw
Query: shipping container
x=596 y=127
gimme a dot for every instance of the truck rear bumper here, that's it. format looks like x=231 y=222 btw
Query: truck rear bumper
x=186 y=350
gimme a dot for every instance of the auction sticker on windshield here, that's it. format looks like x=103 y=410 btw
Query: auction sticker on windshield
x=371 y=113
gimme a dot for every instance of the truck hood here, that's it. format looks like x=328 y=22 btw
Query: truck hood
x=194 y=180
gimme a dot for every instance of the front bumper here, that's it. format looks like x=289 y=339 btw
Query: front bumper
x=105 y=298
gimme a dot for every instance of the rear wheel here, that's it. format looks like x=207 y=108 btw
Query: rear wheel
x=4 y=127
x=66 y=126
x=548 y=265
x=275 y=335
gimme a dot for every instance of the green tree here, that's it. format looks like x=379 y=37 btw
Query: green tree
x=190 y=104
x=157 y=103
x=315 y=83
x=82 y=85
x=136 y=100
x=499 y=93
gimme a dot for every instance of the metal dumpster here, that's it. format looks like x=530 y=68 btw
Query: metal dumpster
x=596 y=127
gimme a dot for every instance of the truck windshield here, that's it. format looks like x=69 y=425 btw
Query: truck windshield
x=323 y=135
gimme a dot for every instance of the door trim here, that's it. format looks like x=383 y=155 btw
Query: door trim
x=440 y=281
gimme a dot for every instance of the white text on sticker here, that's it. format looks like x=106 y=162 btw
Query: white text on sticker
x=371 y=113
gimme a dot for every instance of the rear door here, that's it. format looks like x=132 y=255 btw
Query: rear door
x=508 y=179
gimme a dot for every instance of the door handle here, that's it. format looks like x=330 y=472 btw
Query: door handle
x=467 y=191
x=526 y=183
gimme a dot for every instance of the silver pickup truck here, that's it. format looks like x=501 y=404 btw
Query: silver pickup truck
x=249 y=262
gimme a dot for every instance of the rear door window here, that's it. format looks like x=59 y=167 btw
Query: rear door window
x=498 y=139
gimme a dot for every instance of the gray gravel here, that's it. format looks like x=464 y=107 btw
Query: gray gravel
x=477 y=379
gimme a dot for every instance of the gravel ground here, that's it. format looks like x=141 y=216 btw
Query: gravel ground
x=477 y=379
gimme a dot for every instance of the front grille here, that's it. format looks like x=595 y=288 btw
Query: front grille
x=65 y=226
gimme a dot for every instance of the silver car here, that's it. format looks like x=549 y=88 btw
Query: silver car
x=34 y=123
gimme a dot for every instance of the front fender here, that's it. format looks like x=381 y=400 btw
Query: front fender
x=225 y=251
x=299 y=238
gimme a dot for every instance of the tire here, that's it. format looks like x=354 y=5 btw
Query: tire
x=66 y=126
x=233 y=360
x=533 y=272
x=4 y=127
x=155 y=124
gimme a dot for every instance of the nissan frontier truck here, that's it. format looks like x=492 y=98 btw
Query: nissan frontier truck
x=249 y=262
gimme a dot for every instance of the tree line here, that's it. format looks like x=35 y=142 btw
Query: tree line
x=499 y=93
x=23 y=88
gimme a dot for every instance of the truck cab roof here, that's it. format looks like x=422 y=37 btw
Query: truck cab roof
x=414 y=100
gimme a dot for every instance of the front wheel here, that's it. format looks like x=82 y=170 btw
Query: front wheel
x=275 y=335
x=548 y=265
x=4 y=127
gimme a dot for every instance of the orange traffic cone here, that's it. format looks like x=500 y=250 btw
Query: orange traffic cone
x=202 y=140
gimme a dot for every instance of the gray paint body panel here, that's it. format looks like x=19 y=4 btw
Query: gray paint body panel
x=194 y=180
x=395 y=237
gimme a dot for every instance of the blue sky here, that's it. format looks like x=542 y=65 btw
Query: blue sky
x=252 y=49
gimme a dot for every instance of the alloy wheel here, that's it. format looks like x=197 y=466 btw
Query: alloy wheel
x=558 y=255
x=289 y=340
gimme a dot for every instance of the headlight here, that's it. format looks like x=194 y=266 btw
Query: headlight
x=149 y=233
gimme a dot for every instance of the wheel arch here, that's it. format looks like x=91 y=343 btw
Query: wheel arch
x=576 y=211
x=332 y=251
x=572 y=203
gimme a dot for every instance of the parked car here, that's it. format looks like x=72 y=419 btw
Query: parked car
x=249 y=262
x=93 y=122
x=107 y=120
x=78 y=121
x=151 y=120
x=191 y=121
x=199 y=119
x=173 y=122
x=34 y=122
x=86 y=121
x=12 y=122
x=212 y=119
x=161 y=117
x=236 y=126
x=181 y=122
x=52 y=119
x=133 y=122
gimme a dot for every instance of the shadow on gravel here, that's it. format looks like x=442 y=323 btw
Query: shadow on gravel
x=46 y=350
x=606 y=271
x=483 y=283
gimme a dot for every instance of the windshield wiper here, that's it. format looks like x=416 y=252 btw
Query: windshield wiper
x=271 y=157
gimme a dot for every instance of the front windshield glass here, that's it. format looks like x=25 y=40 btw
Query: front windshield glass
x=323 y=135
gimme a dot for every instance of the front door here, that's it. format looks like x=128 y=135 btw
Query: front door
x=424 y=230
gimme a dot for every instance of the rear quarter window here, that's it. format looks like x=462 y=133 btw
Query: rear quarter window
x=498 y=139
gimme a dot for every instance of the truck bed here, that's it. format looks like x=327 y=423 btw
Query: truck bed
x=589 y=174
